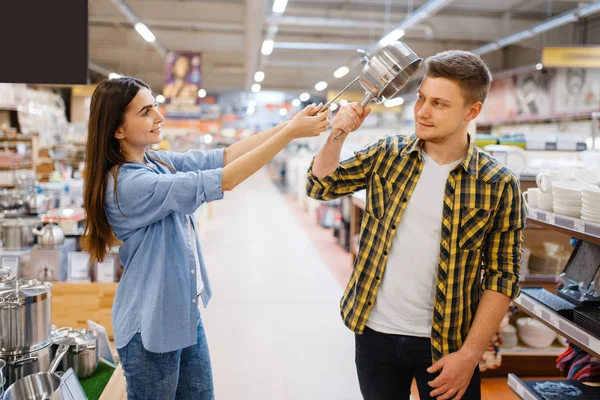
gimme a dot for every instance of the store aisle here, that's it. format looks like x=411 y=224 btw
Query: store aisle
x=273 y=325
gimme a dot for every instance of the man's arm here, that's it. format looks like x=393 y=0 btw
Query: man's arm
x=502 y=260
x=240 y=148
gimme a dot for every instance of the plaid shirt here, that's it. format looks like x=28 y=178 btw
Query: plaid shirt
x=482 y=225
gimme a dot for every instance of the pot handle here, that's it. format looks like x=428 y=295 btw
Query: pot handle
x=10 y=305
x=37 y=231
x=60 y=353
x=366 y=100
x=22 y=361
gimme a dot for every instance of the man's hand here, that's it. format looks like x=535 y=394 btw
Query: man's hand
x=457 y=371
x=350 y=117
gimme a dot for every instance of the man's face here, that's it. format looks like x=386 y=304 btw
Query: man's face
x=440 y=110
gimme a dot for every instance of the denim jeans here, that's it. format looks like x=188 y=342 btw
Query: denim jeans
x=182 y=374
x=386 y=365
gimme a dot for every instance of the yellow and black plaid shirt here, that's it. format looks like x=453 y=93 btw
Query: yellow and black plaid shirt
x=482 y=225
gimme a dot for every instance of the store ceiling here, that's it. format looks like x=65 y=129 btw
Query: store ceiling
x=229 y=34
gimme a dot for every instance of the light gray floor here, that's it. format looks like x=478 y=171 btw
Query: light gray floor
x=273 y=326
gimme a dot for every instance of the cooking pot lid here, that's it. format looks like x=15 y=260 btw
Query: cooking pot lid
x=12 y=288
x=73 y=337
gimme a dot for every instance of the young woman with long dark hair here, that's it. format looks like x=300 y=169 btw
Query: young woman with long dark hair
x=143 y=201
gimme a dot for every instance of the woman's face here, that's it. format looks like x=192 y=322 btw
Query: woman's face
x=142 y=122
x=181 y=69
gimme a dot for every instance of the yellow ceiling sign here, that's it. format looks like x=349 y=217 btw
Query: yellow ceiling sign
x=587 y=57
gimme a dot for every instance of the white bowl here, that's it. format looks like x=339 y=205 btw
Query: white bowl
x=588 y=218
x=568 y=197
x=591 y=192
x=535 y=334
x=570 y=187
x=587 y=176
x=574 y=212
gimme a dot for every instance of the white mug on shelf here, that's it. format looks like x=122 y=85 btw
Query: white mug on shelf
x=544 y=180
x=545 y=201
x=532 y=197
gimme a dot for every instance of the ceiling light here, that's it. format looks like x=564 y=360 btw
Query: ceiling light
x=321 y=86
x=252 y=103
x=256 y=88
x=283 y=112
x=333 y=107
x=113 y=75
x=160 y=98
x=259 y=76
x=208 y=138
x=392 y=37
x=202 y=93
x=343 y=102
x=279 y=6
x=304 y=97
x=340 y=72
x=145 y=32
x=267 y=47
x=296 y=102
x=394 y=102
x=539 y=66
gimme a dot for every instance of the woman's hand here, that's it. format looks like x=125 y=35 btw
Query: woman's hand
x=308 y=122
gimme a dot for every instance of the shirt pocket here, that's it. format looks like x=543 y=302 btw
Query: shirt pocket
x=473 y=224
x=378 y=194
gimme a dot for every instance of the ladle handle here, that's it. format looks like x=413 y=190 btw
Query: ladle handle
x=366 y=100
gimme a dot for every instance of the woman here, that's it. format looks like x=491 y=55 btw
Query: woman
x=144 y=199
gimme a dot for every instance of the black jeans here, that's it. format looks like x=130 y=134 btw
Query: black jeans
x=386 y=365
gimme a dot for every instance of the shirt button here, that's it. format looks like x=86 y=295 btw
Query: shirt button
x=193 y=272
x=404 y=200
x=393 y=226
x=377 y=278
x=385 y=253
x=193 y=300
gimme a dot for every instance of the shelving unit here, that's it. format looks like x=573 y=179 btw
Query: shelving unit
x=573 y=227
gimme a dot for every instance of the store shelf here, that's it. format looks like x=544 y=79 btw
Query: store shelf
x=536 y=278
x=521 y=350
x=16 y=166
x=520 y=389
x=578 y=228
x=559 y=324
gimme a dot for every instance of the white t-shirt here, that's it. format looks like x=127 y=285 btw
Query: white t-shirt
x=404 y=302
x=192 y=235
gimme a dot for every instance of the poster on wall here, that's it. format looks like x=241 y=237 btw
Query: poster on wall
x=576 y=90
x=533 y=94
x=500 y=103
x=183 y=77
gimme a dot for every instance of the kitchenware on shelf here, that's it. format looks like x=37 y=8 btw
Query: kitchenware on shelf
x=587 y=176
x=512 y=157
x=17 y=233
x=544 y=180
x=25 y=315
x=41 y=385
x=535 y=334
x=545 y=201
x=82 y=355
x=21 y=365
x=384 y=73
x=532 y=197
x=50 y=236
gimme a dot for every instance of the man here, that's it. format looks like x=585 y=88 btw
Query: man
x=439 y=212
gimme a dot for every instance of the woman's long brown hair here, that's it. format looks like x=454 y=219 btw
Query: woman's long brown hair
x=103 y=155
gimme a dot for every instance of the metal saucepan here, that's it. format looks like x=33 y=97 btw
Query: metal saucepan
x=2 y=381
x=42 y=385
x=22 y=365
x=384 y=73
x=82 y=355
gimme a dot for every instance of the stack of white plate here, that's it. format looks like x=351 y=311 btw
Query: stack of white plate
x=567 y=197
x=590 y=210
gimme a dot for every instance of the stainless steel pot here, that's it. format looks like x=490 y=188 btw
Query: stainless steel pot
x=25 y=315
x=50 y=236
x=22 y=365
x=12 y=201
x=2 y=381
x=41 y=385
x=38 y=203
x=384 y=73
x=17 y=234
x=82 y=355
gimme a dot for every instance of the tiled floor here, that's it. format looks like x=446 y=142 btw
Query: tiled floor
x=273 y=325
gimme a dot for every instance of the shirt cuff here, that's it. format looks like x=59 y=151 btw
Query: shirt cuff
x=212 y=181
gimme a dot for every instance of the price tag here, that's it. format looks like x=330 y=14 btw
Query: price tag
x=105 y=351
x=551 y=219
x=594 y=344
x=579 y=225
x=79 y=267
x=554 y=320
x=537 y=310
x=105 y=271
x=521 y=390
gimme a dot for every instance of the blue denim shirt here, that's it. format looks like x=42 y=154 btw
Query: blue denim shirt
x=157 y=292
